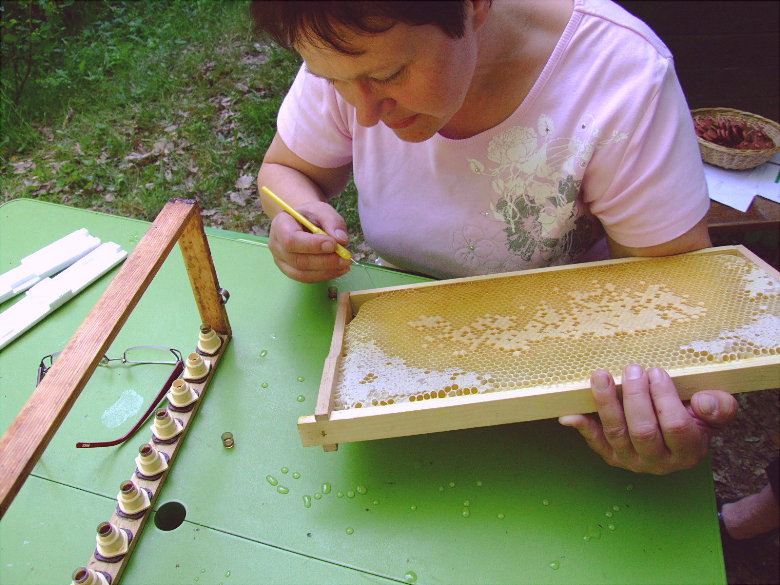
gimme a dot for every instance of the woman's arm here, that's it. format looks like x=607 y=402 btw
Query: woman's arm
x=694 y=239
x=301 y=255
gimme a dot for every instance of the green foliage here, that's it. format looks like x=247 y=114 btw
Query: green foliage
x=68 y=54
x=127 y=104
x=30 y=31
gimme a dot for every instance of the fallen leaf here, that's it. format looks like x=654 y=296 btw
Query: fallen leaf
x=141 y=158
x=22 y=166
x=245 y=181
x=161 y=147
x=239 y=197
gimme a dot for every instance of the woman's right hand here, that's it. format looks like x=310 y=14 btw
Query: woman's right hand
x=304 y=256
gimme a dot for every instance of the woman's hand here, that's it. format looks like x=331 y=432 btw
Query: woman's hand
x=305 y=256
x=650 y=429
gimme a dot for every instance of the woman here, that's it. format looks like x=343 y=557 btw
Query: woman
x=485 y=137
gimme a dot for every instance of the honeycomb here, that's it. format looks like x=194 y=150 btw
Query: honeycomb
x=555 y=327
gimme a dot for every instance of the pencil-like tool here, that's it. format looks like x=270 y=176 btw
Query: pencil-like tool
x=340 y=250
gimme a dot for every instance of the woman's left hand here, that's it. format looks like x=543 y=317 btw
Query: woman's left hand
x=650 y=429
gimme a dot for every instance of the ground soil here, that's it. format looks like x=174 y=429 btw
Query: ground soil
x=740 y=454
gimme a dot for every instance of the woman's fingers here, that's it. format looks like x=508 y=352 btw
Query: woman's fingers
x=647 y=428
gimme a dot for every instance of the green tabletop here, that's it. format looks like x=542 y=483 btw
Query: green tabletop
x=521 y=503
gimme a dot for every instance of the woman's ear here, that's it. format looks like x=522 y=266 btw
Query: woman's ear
x=477 y=13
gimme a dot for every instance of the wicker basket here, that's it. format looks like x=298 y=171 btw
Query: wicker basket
x=732 y=158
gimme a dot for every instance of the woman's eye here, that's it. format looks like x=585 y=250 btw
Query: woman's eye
x=394 y=77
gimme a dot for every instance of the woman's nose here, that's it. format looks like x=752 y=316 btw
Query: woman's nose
x=370 y=105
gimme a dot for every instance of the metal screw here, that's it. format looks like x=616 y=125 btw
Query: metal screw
x=227 y=440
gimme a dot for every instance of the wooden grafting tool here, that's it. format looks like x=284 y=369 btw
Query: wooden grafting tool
x=340 y=250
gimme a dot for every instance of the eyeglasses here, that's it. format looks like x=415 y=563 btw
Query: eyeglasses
x=133 y=356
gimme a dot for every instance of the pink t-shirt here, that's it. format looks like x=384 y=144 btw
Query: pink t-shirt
x=603 y=139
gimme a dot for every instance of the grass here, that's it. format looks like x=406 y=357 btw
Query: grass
x=154 y=100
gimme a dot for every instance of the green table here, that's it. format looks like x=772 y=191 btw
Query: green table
x=523 y=503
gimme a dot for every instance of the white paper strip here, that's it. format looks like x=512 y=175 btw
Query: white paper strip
x=45 y=262
x=52 y=292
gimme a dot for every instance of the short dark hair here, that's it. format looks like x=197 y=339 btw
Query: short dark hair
x=291 y=22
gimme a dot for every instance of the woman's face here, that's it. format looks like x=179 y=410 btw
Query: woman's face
x=413 y=79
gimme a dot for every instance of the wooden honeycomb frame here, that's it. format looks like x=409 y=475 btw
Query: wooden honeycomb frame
x=330 y=426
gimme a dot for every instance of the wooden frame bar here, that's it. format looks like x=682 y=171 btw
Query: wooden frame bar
x=31 y=431
x=329 y=427
x=324 y=406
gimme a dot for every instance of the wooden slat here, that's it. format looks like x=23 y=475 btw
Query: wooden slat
x=509 y=406
x=762 y=214
x=359 y=297
x=31 y=431
x=758 y=261
x=203 y=276
x=328 y=382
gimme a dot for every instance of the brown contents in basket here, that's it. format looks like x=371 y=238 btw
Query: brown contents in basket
x=732 y=133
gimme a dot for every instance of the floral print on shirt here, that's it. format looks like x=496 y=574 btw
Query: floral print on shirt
x=537 y=180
